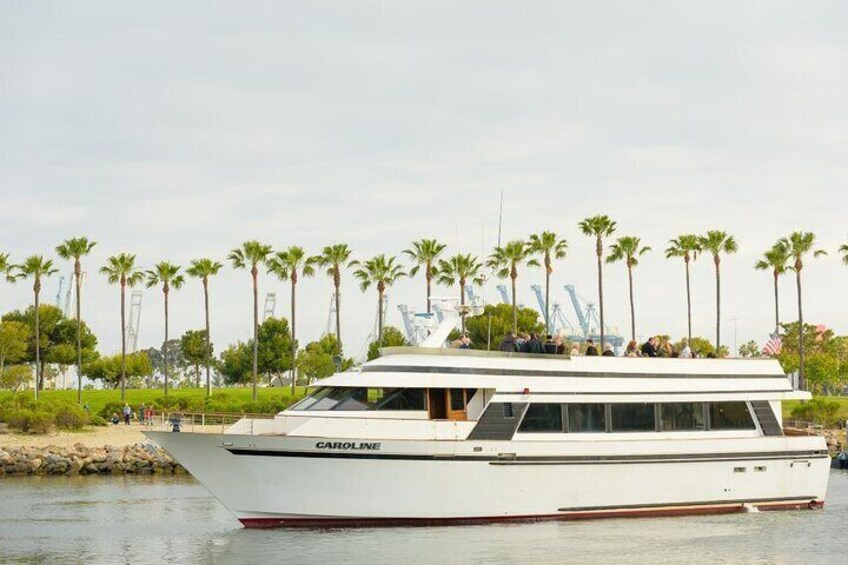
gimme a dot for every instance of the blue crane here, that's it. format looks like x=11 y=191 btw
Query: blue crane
x=589 y=321
x=504 y=294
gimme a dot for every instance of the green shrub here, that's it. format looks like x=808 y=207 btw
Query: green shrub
x=70 y=417
x=30 y=421
x=819 y=411
x=97 y=421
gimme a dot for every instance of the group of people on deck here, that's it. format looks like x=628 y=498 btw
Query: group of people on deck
x=553 y=344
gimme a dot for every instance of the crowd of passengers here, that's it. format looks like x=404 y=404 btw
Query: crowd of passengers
x=554 y=345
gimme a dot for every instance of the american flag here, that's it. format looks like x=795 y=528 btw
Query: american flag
x=773 y=345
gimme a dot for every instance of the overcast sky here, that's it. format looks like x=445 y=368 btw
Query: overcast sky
x=179 y=130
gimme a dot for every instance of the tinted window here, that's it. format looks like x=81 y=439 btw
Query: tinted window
x=542 y=418
x=632 y=417
x=682 y=416
x=730 y=416
x=402 y=399
x=457 y=400
x=586 y=418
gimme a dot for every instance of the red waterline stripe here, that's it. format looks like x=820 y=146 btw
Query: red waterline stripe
x=564 y=516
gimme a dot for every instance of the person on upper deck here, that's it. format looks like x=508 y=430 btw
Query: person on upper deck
x=591 y=350
x=560 y=346
x=649 y=348
x=632 y=349
x=550 y=346
x=508 y=344
x=685 y=351
x=608 y=352
x=533 y=345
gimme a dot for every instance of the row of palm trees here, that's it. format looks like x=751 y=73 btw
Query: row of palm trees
x=383 y=271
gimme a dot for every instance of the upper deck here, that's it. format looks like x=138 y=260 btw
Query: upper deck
x=509 y=374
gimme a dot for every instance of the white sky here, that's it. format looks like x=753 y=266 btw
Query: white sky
x=179 y=130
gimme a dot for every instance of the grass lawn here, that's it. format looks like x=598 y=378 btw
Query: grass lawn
x=842 y=412
x=223 y=399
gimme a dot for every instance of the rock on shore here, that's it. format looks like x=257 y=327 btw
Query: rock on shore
x=139 y=458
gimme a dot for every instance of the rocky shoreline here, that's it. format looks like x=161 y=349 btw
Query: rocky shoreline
x=136 y=459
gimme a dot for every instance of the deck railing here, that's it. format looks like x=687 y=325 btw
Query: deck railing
x=200 y=422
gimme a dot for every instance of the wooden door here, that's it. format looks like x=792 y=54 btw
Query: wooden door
x=456 y=403
x=437 y=404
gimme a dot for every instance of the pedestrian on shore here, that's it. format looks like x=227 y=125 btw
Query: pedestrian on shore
x=591 y=350
x=148 y=416
x=127 y=412
x=141 y=414
x=115 y=418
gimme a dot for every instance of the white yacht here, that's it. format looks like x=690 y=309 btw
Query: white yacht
x=430 y=435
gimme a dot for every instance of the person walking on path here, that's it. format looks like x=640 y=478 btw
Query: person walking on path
x=127 y=412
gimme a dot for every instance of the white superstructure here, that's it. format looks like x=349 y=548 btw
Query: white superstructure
x=424 y=436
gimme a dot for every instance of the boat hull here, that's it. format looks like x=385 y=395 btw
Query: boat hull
x=290 y=482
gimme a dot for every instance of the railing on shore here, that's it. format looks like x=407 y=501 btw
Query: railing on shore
x=199 y=422
x=802 y=427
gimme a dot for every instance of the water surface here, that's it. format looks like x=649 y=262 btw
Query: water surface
x=134 y=519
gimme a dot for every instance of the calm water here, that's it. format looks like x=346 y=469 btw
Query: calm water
x=174 y=520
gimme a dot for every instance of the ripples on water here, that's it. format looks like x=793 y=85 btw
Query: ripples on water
x=175 y=520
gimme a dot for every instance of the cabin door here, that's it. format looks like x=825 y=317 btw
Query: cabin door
x=437 y=401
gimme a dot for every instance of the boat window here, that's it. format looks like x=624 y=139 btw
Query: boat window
x=542 y=418
x=730 y=416
x=324 y=398
x=681 y=416
x=355 y=399
x=402 y=399
x=632 y=417
x=586 y=418
x=457 y=399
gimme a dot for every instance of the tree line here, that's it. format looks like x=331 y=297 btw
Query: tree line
x=382 y=271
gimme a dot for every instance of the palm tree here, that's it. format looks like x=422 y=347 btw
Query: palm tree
x=121 y=269
x=460 y=269
x=76 y=248
x=717 y=242
x=203 y=269
x=628 y=249
x=550 y=247
x=285 y=265
x=599 y=227
x=799 y=244
x=5 y=266
x=334 y=258
x=36 y=268
x=168 y=275
x=252 y=254
x=775 y=260
x=382 y=272
x=687 y=246
x=505 y=261
x=425 y=252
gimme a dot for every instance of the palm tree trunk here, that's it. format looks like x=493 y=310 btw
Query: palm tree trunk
x=632 y=306
x=380 y=317
x=294 y=339
x=37 y=343
x=548 y=301
x=165 y=345
x=776 y=306
x=338 y=318
x=208 y=339
x=428 y=276
x=255 y=333
x=462 y=303
x=601 y=295
x=123 y=342
x=514 y=308
x=801 y=383
x=79 y=333
x=688 y=304
x=718 y=306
